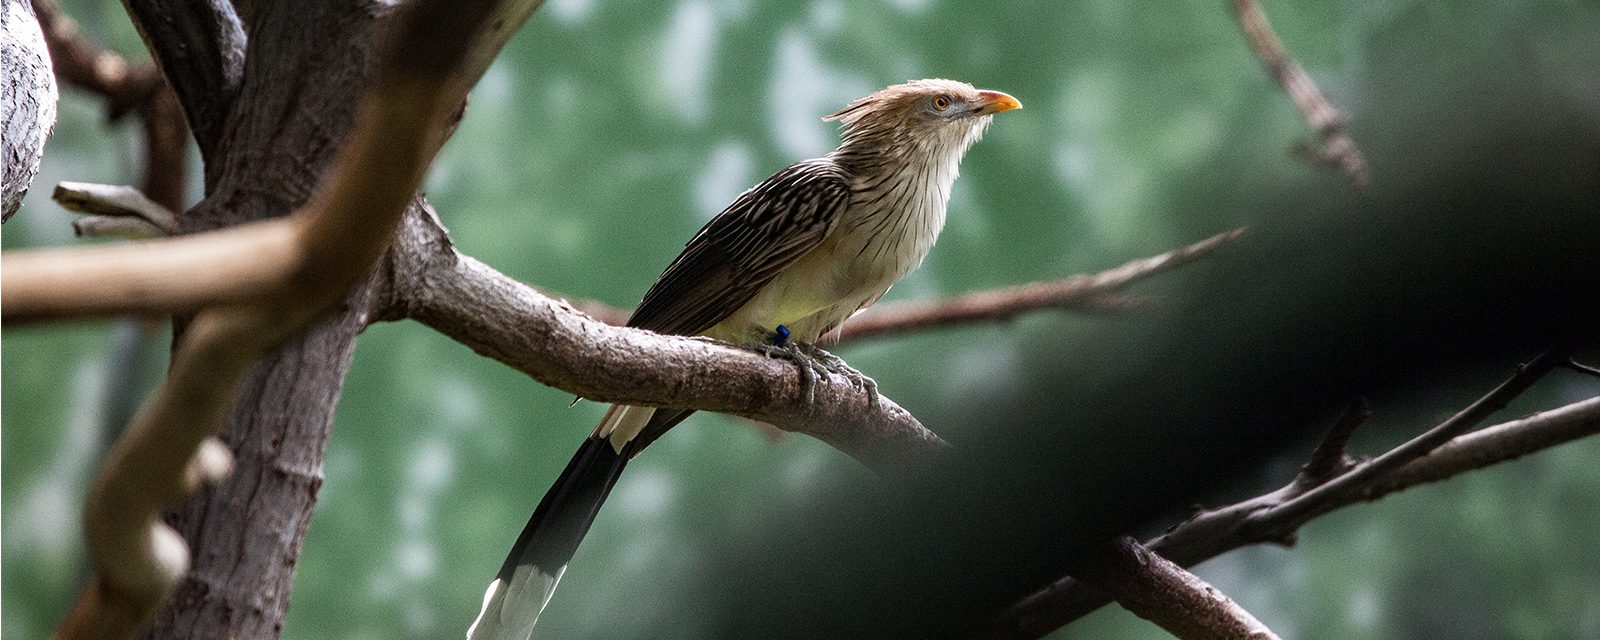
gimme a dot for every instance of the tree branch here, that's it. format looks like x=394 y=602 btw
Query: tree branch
x=1259 y=520
x=199 y=45
x=125 y=87
x=487 y=311
x=1007 y=303
x=553 y=343
x=1157 y=590
x=1087 y=292
x=157 y=277
x=83 y=64
x=1329 y=458
x=104 y=202
x=1335 y=149
x=1315 y=499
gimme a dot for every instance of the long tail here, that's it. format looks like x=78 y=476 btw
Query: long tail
x=523 y=587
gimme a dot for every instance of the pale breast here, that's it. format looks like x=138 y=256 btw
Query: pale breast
x=886 y=231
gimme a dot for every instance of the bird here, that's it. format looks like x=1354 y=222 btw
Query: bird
x=780 y=268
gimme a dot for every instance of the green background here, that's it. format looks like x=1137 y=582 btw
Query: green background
x=609 y=131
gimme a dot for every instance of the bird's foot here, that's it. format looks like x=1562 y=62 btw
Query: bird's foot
x=808 y=366
x=814 y=362
x=832 y=364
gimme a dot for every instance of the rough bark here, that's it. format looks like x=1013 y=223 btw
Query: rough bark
x=200 y=47
x=246 y=532
x=292 y=112
x=30 y=102
x=1157 y=590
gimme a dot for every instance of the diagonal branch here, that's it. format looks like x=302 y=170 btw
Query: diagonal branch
x=1157 y=590
x=83 y=64
x=1007 y=303
x=1335 y=149
x=1256 y=520
x=1314 y=500
x=558 y=346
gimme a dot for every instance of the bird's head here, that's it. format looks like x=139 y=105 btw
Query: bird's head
x=935 y=115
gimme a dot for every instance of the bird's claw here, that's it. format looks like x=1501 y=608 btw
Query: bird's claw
x=814 y=362
x=802 y=361
x=832 y=364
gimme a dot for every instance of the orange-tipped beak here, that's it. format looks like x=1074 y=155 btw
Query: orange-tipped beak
x=995 y=102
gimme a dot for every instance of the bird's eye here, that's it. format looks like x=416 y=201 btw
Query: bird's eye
x=941 y=102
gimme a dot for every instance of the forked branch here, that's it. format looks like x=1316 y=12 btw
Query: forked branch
x=1273 y=518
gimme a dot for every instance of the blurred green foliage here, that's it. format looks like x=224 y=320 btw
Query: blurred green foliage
x=608 y=132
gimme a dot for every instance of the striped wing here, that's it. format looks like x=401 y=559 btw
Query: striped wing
x=742 y=249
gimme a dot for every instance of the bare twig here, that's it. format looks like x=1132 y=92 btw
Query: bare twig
x=84 y=64
x=1157 y=590
x=1496 y=444
x=1329 y=459
x=1362 y=475
x=116 y=227
x=1336 y=149
x=125 y=87
x=1007 y=303
x=100 y=201
x=1256 y=521
x=1096 y=292
x=1573 y=364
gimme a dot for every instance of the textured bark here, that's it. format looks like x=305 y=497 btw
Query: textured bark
x=292 y=112
x=1157 y=590
x=30 y=102
x=200 y=46
x=246 y=533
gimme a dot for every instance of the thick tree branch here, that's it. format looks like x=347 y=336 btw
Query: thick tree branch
x=158 y=277
x=464 y=299
x=199 y=45
x=1335 y=149
x=1258 y=520
x=336 y=237
x=550 y=341
x=1157 y=590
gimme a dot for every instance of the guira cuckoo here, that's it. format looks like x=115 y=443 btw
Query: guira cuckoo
x=781 y=267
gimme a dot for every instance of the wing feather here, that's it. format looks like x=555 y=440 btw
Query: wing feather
x=743 y=248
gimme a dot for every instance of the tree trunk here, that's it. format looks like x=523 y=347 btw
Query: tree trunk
x=304 y=72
